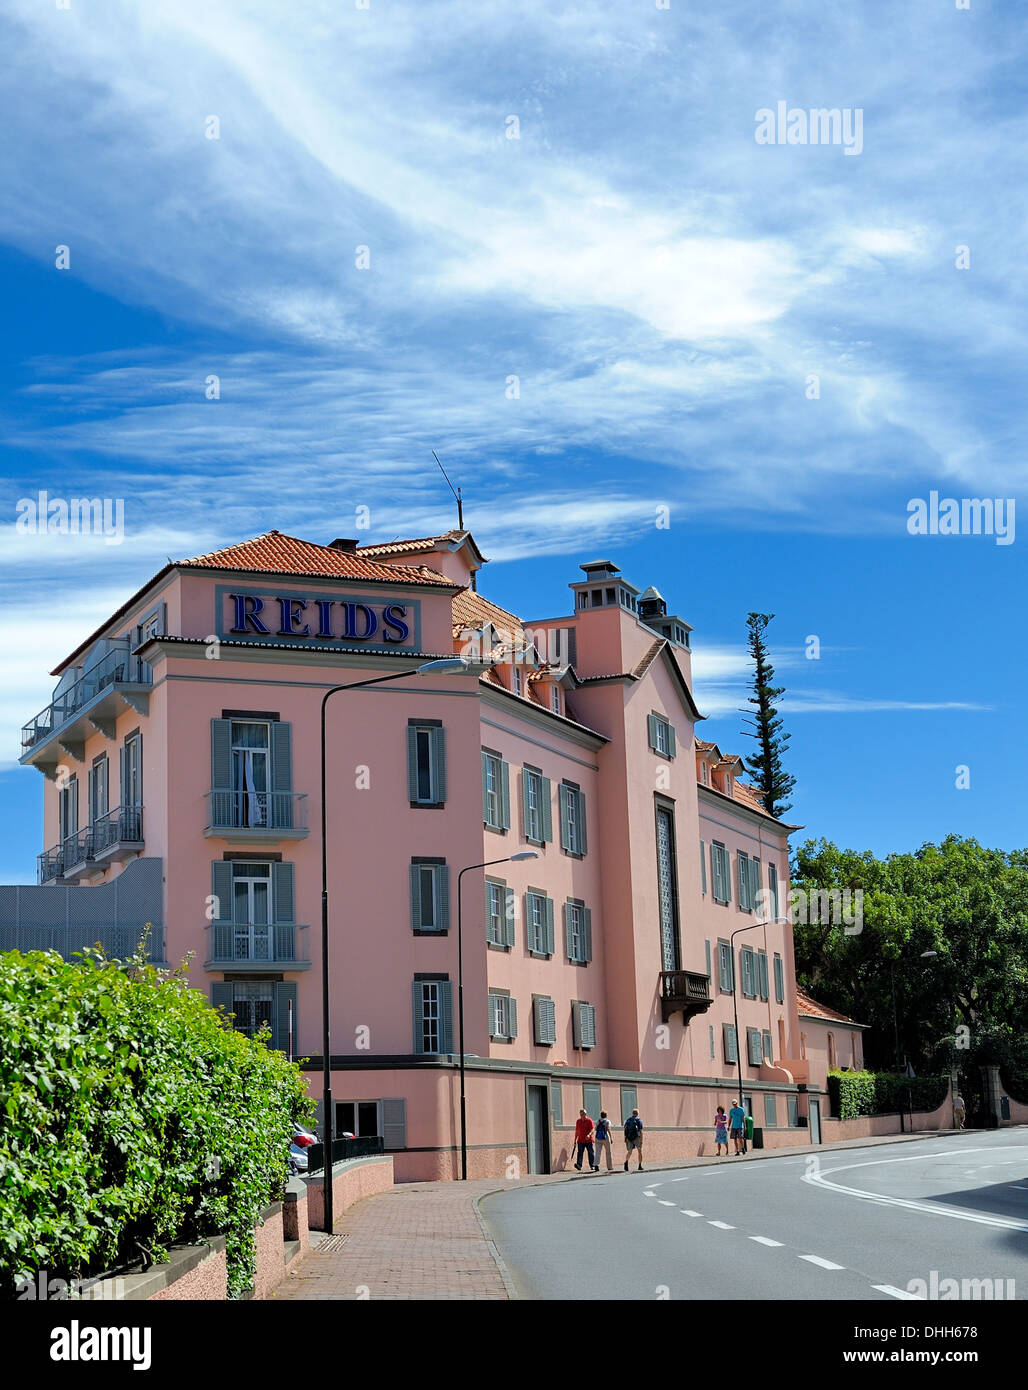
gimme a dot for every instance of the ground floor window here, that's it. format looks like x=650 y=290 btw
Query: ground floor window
x=252 y=1005
x=360 y=1117
x=770 y=1111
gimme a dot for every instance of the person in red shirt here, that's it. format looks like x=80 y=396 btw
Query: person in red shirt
x=584 y=1130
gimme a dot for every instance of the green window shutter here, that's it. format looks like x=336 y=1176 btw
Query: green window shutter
x=587 y=933
x=221 y=888
x=532 y=936
x=394 y=1122
x=753 y=1046
x=283 y=890
x=281 y=756
x=746 y=961
x=588 y=1025
x=412 y=762
x=729 y=1041
x=504 y=794
x=576 y=1024
x=545 y=1017
x=221 y=754
x=439 y=764
x=415 y=897
x=770 y=1112
x=442 y=896
x=726 y=873
x=591 y=1102
x=485 y=789
x=779 y=981
x=90 y=798
x=549 y=944
x=762 y=974
x=562 y=793
x=545 y=793
x=508 y=917
x=445 y=1016
x=556 y=1103
x=582 y=846
x=671 y=741
x=629 y=1101
x=743 y=878
x=221 y=997
x=754 y=882
x=651 y=728
x=703 y=866
x=567 y=931
x=772 y=886
x=706 y=948
x=769 y=1047
x=490 y=935
x=285 y=994
x=418 y=1002
x=528 y=830
x=512 y=1017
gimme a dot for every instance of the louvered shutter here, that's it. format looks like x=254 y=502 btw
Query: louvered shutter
x=412 y=762
x=221 y=997
x=485 y=789
x=726 y=874
x=706 y=948
x=442 y=896
x=703 y=866
x=439 y=764
x=587 y=933
x=672 y=745
x=221 y=888
x=221 y=755
x=445 y=1016
x=528 y=830
x=576 y=1024
x=549 y=944
x=762 y=974
x=418 y=1010
x=504 y=794
x=779 y=981
x=747 y=972
x=285 y=994
x=512 y=1017
x=415 y=897
x=545 y=1021
x=588 y=1025
x=567 y=932
x=743 y=878
x=394 y=1122
x=582 y=845
x=545 y=809
x=556 y=1102
x=651 y=726
x=562 y=792
x=91 y=794
x=282 y=885
x=282 y=774
x=754 y=882
x=508 y=917
x=728 y=1036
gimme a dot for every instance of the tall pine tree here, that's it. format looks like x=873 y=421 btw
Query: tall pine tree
x=773 y=782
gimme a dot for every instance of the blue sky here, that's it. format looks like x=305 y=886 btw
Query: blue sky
x=661 y=285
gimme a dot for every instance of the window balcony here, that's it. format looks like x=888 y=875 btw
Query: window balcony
x=117 y=683
x=111 y=838
x=251 y=817
x=271 y=948
x=684 y=992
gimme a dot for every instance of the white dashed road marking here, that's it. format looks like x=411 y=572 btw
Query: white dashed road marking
x=721 y=1225
x=822 y=1264
x=763 y=1240
x=666 y=1204
x=897 y=1293
x=687 y=1212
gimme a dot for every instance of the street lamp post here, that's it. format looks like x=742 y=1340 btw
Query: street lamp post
x=508 y=859
x=753 y=926
x=443 y=666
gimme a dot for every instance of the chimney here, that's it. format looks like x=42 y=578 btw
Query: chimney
x=348 y=547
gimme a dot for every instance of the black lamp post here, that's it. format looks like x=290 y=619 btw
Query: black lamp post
x=508 y=859
x=443 y=666
x=753 y=926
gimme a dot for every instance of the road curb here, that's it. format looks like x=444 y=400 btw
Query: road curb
x=498 y=1260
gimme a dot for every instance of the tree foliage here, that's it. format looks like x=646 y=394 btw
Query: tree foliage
x=772 y=780
x=132 y=1117
x=967 y=1002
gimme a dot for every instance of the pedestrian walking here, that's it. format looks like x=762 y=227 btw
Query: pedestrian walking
x=736 y=1127
x=603 y=1141
x=584 y=1131
x=634 y=1138
x=721 y=1130
x=959 y=1111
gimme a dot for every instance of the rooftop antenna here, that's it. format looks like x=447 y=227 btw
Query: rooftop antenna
x=460 y=507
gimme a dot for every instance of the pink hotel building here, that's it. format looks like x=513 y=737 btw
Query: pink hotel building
x=182 y=752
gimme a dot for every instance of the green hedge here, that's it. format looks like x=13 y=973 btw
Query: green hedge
x=1015 y=1085
x=854 y=1093
x=133 y=1118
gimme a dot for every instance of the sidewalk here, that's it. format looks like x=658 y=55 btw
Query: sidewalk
x=425 y=1240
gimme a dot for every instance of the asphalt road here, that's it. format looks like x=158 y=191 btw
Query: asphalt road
x=851 y=1224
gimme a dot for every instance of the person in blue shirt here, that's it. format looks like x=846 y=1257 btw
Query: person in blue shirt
x=736 y=1125
x=603 y=1140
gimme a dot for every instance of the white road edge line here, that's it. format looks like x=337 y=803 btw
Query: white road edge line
x=764 y=1240
x=822 y=1264
x=898 y=1293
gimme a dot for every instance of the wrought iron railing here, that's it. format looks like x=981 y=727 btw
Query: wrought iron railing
x=232 y=941
x=343 y=1149
x=117 y=667
x=124 y=824
x=250 y=810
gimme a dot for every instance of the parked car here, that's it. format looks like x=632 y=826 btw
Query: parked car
x=299 y=1144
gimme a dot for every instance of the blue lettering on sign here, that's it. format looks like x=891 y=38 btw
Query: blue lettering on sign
x=370 y=622
x=396 y=622
x=292 y=612
x=247 y=608
x=324 y=617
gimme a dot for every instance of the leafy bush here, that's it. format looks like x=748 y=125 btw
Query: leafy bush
x=1015 y=1085
x=132 y=1117
x=854 y=1093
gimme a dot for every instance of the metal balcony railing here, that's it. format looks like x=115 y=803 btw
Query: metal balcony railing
x=117 y=668
x=124 y=825
x=685 y=992
x=257 y=811
x=232 y=941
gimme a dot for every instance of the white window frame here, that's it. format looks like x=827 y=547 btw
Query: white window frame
x=499 y=1017
x=497 y=913
x=431 y=998
x=493 y=791
x=576 y=932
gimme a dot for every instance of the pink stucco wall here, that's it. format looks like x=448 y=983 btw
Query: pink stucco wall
x=207 y=1281
x=350 y=1182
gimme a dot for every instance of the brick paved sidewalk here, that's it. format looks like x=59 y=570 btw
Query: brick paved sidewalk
x=424 y=1240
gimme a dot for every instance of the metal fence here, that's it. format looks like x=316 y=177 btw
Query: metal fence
x=342 y=1149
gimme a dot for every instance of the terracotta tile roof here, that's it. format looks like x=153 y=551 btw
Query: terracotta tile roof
x=812 y=1009
x=648 y=658
x=275 y=553
x=470 y=609
x=742 y=791
x=704 y=746
x=400 y=547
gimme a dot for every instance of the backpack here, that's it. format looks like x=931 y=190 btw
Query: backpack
x=633 y=1127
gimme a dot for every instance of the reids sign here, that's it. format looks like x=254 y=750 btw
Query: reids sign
x=287 y=616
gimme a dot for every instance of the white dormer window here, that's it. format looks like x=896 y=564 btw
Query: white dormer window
x=705 y=774
x=555 y=697
x=728 y=783
x=516 y=679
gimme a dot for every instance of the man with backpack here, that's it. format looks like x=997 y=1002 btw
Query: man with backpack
x=634 y=1138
